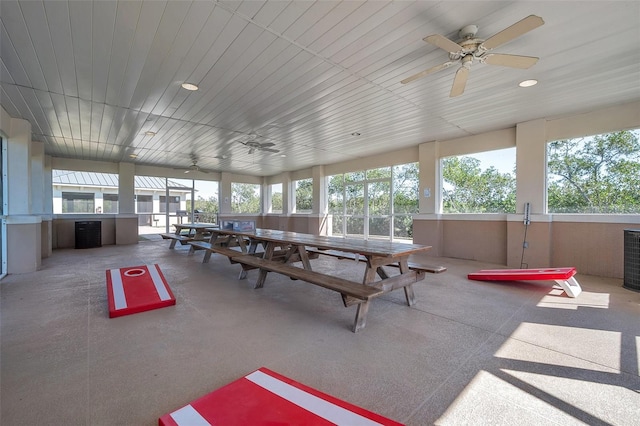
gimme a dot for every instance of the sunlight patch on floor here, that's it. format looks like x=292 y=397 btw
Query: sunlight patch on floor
x=556 y=299
x=583 y=342
x=571 y=390
x=490 y=397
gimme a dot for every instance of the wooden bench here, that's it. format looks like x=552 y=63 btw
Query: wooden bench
x=203 y=245
x=184 y=239
x=352 y=256
x=362 y=293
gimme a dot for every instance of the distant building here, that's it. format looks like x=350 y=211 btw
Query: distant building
x=91 y=192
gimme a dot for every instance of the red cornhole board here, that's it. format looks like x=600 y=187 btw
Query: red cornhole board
x=137 y=289
x=265 y=397
x=563 y=276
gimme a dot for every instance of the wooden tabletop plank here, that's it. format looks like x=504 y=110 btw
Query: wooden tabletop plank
x=351 y=245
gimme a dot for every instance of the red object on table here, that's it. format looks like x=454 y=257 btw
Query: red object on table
x=137 y=289
x=523 y=274
x=265 y=397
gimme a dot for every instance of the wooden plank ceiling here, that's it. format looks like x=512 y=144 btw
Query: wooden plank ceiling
x=94 y=77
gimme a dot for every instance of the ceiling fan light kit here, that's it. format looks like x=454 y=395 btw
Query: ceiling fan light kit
x=469 y=48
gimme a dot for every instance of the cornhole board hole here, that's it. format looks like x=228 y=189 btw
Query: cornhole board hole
x=563 y=276
x=137 y=289
x=268 y=398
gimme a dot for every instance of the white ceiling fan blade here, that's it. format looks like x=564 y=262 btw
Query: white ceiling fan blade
x=459 y=82
x=513 y=61
x=427 y=72
x=269 y=150
x=252 y=150
x=267 y=144
x=443 y=43
x=521 y=27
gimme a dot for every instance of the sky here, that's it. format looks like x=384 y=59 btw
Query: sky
x=502 y=159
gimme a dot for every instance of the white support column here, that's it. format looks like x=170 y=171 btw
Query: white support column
x=430 y=196
x=287 y=195
x=126 y=220
x=225 y=193
x=320 y=207
x=23 y=227
x=531 y=166
x=320 y=203
x=37 y=177
x=19 y=168
x=126 y=188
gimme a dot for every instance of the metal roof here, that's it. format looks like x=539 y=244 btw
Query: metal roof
x=110 y=180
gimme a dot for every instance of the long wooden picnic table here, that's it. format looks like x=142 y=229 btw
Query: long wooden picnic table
x=378 y=253
x=195 y=232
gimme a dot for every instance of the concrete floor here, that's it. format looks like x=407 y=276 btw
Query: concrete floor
x=467 y=353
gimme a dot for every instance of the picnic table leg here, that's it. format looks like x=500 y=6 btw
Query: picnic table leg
x=173 y=244
x=207 y=253
x=253 y=246
x=370 y=272
x=382 y=273
x=262 y=275
x=408 y=290
x=304 y=257
x=361 y=316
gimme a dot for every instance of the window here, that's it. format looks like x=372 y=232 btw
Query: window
x=245 y=198
x=144 y=203
x=405 y=199
x=594 y=174
x=174 y=204
x=206 y=206
x=376 y=203
x=91 y=190
x=276 y=198
x=304 y=195
x=335 y=190
x=479 y=183
x=110 y=203
x=78 y=202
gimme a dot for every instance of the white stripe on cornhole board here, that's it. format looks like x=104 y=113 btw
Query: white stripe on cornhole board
x=188 y=416
x=157 y=281
x=119 y=299
x=312 y=403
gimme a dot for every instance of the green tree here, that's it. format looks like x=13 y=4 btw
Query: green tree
x=406 y=186
x=599 y=174
x=245 y=198
x=304 y=195
x=208 y=208
x=469 y=189
x=276 y=202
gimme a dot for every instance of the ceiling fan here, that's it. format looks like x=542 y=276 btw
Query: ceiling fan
x=193 y=167
x=469 y=49
x=254 y=145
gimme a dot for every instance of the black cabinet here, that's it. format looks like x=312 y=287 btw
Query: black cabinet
x=88 y=234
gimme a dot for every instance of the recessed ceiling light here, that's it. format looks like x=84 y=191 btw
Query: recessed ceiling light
x=355 y=134
x=528 y=83
x=189 y=86
x=283 y=155
x=133 y=155
x=150 y=133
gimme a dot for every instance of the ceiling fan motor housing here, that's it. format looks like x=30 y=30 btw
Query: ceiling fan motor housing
x=468 y=32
